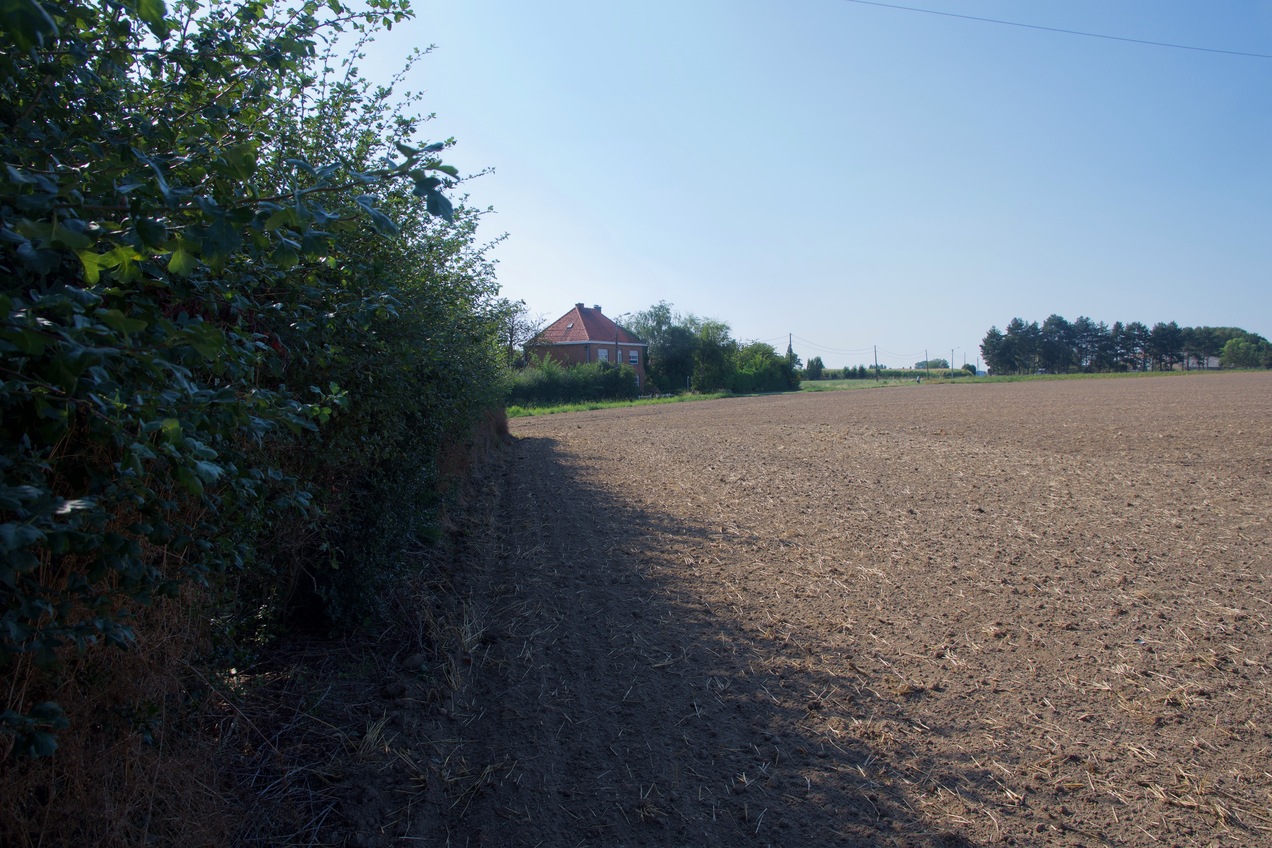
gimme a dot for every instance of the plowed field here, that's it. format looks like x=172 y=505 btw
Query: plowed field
x=1026 y=613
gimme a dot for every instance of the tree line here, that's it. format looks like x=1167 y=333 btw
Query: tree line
x=817 y=370
x=1057 y=346
x=688 y=353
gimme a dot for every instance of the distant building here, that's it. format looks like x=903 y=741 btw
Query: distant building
x=585 y=335
x=1196 y=363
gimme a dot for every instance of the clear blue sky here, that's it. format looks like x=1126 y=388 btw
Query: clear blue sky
x=858 y=175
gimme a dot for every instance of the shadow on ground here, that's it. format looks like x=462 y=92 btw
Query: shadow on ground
x=593 y=692
x=813 y=655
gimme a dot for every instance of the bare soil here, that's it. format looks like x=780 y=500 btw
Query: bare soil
x=1026 y=613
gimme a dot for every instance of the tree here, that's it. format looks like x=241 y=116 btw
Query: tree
x=1091 y=346
x=1250 y=351
x=514 y=326
x=815 y=368
x=672 y=340
x=712 y=357
x=792 y=359
x=1102 y=349
x=1201 y=344
x=672 y=367
x=994 y=352
x=1089 y=340
x=1134 y=346
x=756 y=367
x=650 y=325
x=1056 y=346
x=1193 y=339
x=1165 y=345
x=1012 y=352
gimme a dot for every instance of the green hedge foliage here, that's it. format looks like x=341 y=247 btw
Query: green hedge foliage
x=548 y=383
x=756 y=367
x=238 y=318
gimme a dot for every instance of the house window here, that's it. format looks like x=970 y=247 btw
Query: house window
x=602 y=355
x=634 y=357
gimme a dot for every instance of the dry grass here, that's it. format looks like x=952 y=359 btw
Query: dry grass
x=164 y=749
x=127 y=771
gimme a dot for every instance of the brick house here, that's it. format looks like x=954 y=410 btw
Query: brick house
x=585 y=335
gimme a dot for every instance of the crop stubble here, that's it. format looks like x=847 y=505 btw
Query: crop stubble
x=1030 y=613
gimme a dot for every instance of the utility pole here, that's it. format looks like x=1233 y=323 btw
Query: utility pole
x=927 y=365
x=951 y=363
x=876 y=351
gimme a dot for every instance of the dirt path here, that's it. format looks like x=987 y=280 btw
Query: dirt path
x=1035 y=614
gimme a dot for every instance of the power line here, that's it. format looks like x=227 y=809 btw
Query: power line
x=1062 y=31
x=898 y=355
x=817 y=346
x=820 y=348
x=856 y=351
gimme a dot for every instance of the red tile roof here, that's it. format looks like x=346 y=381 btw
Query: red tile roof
x=581 y=324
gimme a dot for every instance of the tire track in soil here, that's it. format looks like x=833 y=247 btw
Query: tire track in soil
x=607 y=707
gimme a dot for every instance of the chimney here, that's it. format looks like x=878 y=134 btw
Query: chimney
x=578 y=305
x=597 y=307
